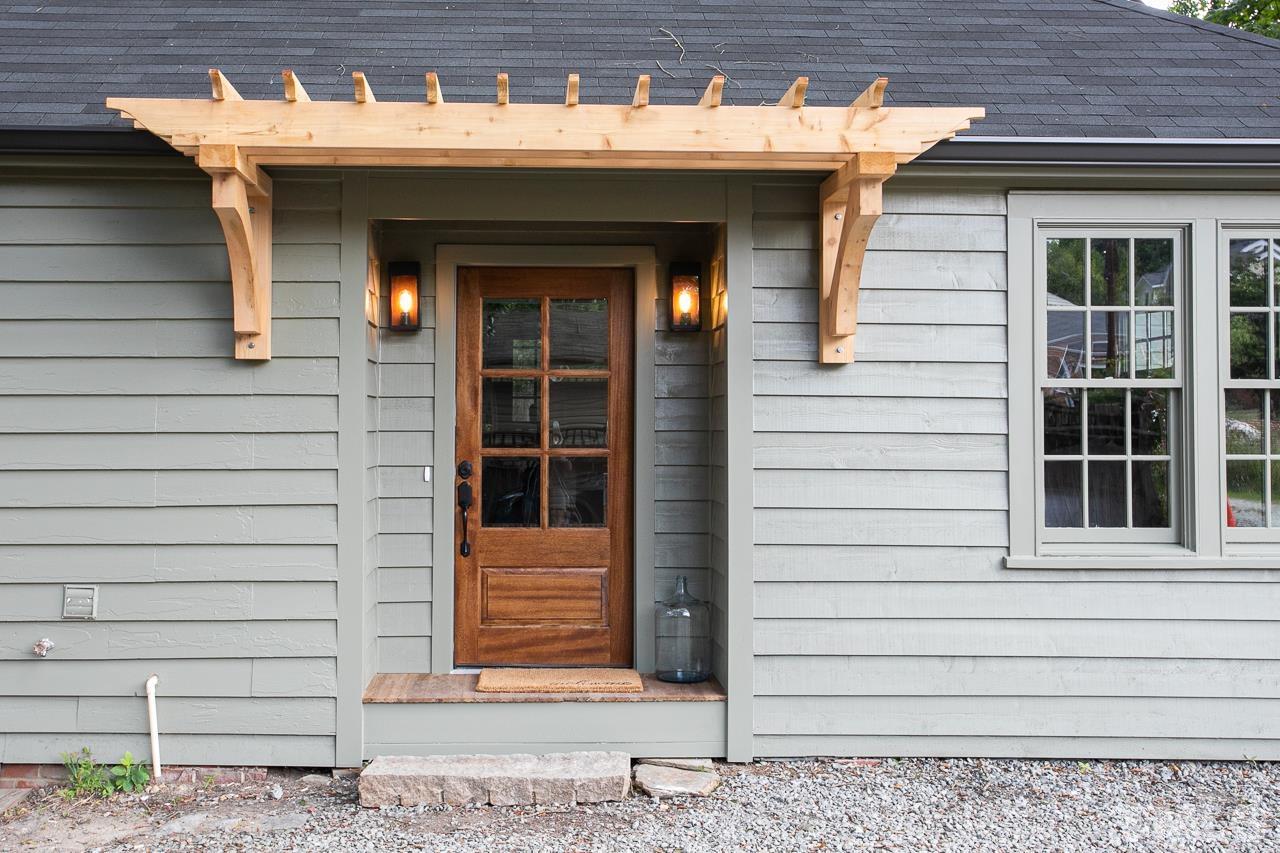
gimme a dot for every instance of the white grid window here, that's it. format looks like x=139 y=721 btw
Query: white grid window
x=1251 y=384
x=1109 y=413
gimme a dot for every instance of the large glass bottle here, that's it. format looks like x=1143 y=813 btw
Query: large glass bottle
x=684 y=637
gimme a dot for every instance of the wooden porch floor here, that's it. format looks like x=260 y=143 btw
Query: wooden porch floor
x=417 y=688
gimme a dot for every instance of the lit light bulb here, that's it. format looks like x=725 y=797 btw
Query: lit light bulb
x=406 y=302
x=684 y=302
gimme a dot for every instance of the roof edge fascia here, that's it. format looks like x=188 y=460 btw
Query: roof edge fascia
x=959 y=151
x=1110 y=151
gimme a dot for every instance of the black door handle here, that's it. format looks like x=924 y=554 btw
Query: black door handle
x=465 y=501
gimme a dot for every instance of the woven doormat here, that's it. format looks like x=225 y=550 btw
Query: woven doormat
x=559 y=681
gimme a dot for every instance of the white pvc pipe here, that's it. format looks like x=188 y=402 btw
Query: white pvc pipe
x=156 y=769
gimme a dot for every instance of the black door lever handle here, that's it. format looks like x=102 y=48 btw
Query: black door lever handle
x=464 y=504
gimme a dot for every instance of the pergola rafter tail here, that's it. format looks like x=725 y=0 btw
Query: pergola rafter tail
x=233 y=139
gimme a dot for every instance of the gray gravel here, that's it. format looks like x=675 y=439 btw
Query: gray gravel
x=911 y=804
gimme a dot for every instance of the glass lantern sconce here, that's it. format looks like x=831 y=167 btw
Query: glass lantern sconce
x=405 y=282
x=686 y=297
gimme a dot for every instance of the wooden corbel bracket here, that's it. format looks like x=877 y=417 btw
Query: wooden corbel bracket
x=242 y=201
x=850 y=204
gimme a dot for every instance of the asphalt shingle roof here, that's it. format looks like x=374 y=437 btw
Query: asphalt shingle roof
x=1042 y=68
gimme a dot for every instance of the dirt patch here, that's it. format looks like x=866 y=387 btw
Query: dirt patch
x=282 y=800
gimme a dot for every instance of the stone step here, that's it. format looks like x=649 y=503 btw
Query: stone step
x=660 y=781
x=562 y=778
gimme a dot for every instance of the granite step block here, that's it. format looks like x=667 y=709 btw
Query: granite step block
x=562 y=778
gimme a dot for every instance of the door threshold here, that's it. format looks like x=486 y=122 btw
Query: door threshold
x=421 y=688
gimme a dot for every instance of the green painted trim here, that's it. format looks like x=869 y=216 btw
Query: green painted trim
x=445 y=414
x=739 y=467
x=352 y=344
x=1183 y=561
x=542 y=197
x=658 y=729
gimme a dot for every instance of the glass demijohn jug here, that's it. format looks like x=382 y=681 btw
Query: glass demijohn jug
x=684 y=637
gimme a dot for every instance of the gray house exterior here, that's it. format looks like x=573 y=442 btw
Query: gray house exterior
x=875 y=539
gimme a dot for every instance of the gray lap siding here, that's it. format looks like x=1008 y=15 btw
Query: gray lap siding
x=198 y=493
x=885 y=622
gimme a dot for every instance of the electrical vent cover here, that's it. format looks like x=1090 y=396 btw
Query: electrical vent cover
x=79 y=602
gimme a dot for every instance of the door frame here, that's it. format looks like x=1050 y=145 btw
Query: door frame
x=642 y=260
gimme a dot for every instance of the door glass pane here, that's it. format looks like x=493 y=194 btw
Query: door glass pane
x=1249 y=346
x=579 y=412
x=1065 y=260
x=1110 y=340
x=1244 y=421
x=1062 y=421
x=512 y=334
x=1065 y=357
x=1149 y=415
x=1244 y=493
x=1107 y=495
x=511 y=413
x=579 y=334
x=1153 y=272
x=1153 y=345
x=1106 y=422
x=1063 y=499
x=511 y=492
x=1110 y=271
x=1150 y=494
x=1248 y=273
x=576 y=494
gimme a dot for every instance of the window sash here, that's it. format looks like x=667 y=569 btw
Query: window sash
x=1270 y=454
x=1046 y=536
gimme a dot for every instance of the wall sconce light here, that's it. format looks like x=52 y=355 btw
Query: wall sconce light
x=686 y=296
x=404 y=296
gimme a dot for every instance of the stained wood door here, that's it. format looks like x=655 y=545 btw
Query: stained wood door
x=544 y=392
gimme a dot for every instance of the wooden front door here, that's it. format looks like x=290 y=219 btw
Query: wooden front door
x=544 y=425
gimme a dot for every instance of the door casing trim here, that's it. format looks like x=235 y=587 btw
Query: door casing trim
x=643 y=261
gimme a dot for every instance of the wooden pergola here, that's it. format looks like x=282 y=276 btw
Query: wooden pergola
x=233 y=139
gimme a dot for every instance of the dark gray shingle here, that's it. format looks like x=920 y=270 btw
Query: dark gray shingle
x=1057 y=68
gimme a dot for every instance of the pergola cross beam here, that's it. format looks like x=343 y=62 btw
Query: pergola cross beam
x=860 y=145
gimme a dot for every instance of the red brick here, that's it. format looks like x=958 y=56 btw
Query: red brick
x=25 y=783
x=19 y=771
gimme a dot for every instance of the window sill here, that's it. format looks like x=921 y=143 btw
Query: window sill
x=1154 y=562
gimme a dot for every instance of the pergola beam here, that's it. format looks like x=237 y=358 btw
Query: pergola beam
x=364 y=94
x=434 y=95
x=860 y=146
x=794 y=96
x=222 y=88
x=293 y=90
x=641 y=97
x=715 y=90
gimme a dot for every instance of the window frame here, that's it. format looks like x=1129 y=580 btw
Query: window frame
x=1050 y=537
x=1204 y=218
x=1242 y=536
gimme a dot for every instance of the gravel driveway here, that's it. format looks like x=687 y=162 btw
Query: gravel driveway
x=911 y=804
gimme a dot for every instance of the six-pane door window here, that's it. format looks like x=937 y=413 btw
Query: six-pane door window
x=1251 y=394
x=1111 y=385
